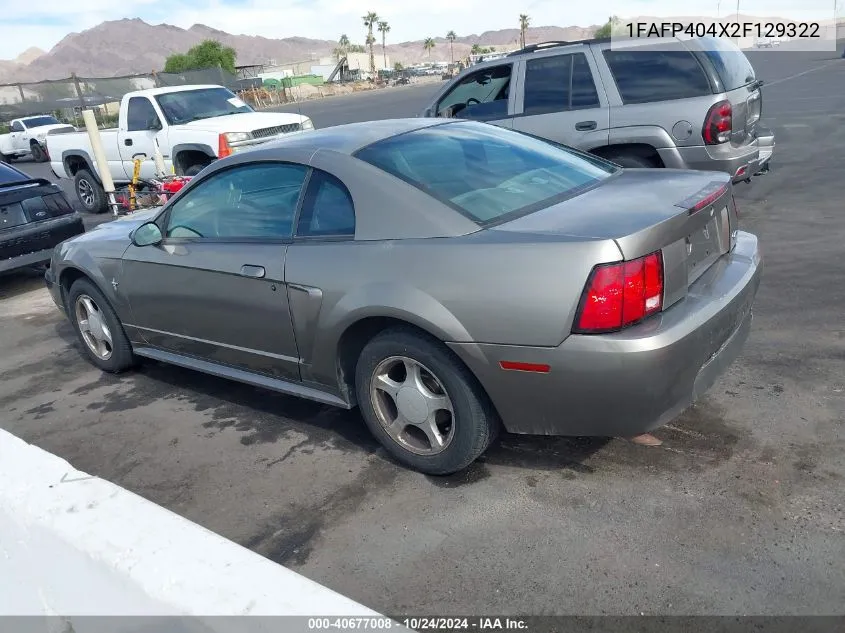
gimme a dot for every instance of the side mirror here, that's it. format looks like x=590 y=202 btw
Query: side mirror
x=147 y=235
x=429 y=112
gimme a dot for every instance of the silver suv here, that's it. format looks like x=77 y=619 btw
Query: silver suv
x=691 y=104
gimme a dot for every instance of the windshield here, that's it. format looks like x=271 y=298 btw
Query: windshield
x=191 y=105
x=485 y=172
x=40 y=121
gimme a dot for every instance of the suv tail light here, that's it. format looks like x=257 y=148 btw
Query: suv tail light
x=621 y=294
x=718 y=124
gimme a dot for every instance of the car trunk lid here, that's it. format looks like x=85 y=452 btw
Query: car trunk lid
x=688 y=216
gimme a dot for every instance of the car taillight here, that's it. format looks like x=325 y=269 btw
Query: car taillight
x=718 y=124
x=621 y=294
x=223 y=148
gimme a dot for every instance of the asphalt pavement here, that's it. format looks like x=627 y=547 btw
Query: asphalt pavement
x=740 y=511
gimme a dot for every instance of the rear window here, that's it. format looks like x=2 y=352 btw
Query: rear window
x=10 y=175
x=40 y=121
x=487 y=173
x=730 y=62
x=643 y=76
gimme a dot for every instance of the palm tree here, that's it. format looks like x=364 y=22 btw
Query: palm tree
x=524 y=21
x=384 y=28
x=342 y=47
x=476 y=49
x=451 y=37
x=428 y=45
x=370 y=20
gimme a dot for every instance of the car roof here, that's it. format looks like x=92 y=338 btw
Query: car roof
x=148 y=92
x=348 y=138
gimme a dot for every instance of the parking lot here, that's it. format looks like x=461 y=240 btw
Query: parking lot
x=740 y=511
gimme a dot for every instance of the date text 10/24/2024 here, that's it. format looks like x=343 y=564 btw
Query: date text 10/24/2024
x=801 y=30
x=420 y=624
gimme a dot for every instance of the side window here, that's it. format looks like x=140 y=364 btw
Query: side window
x=584 y=94
x=140 y=115
x=480 y=95
x=547 y=84
x=17 y=126
x=555 y=84
x=327 y=209
x=645 y=76
x=249 y=201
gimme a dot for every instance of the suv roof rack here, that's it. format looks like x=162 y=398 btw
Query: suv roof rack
x=535 y=47
x=552 y=44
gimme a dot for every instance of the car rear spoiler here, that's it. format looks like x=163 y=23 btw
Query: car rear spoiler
x=25 y=183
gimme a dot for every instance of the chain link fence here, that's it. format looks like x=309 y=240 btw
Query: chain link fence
x=64 y=98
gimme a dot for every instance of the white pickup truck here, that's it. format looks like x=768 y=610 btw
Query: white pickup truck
x=28 y=135
x=192 y=125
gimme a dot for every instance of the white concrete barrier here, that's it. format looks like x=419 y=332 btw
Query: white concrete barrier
x=76 y=545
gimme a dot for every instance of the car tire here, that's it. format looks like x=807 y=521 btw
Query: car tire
x=82 y=296
x=5 y=159
x=89 y=192
x=632 y=160
x=38 y=153
x=193 y=170
x=467 y=426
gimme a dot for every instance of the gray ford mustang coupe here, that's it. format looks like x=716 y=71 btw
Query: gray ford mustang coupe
x=447 y=277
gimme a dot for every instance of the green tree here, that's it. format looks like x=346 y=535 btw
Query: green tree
x=342 y=47
x=524 y=21
x=384 y=29
x=207 y=54
x=398 y=67
x=606 y=30
x=428 y=45
x=357 y=48
x=370 y=20
x=451 y=37
x=476 y=49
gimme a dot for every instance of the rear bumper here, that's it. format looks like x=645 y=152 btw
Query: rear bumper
x=633 y=381
x=741 y=163
x=29 y=259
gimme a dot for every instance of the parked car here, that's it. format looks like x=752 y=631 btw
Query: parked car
x=444 y=276
x=28 y=135
x=35 y=216
x=693 y=104
x=193 y=126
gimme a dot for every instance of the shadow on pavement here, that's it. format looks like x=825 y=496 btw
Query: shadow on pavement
x=17 y=282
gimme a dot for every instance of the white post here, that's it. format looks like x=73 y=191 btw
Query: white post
x=159 y=160
x=100 y=157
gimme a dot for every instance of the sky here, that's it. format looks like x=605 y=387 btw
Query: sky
x=43 y=23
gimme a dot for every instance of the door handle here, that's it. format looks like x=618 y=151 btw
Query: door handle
x=583 y=126
x=127 y=141
x=248 y=270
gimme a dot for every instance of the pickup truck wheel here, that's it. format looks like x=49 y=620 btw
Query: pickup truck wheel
x=193 y=170
x=5 y=159
x=38 y=153
x=89 y=192
x=422 y=403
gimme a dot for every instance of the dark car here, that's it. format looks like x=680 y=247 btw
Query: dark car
x=445 y=276
x=35 y=216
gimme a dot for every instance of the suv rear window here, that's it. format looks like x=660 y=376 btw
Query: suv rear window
x=730 y=62
x=643 y=76
x=485 y=172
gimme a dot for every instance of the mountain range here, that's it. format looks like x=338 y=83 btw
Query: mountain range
x=121 y=47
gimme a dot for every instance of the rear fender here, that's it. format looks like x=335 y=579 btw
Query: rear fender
x=391 y=300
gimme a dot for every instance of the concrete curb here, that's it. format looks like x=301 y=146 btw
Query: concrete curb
x=77 y=545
